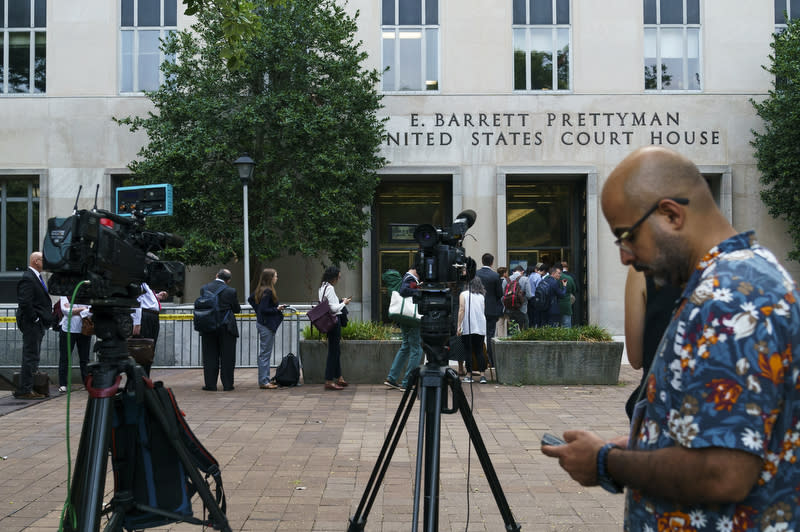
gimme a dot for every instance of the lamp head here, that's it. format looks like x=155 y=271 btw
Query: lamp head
x=244 y=165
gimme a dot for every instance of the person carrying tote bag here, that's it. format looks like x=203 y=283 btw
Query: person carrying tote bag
x=327 y=296
x=409 y=356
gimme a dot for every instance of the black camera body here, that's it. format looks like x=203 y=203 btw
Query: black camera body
x=111 y=252
x=442 y=264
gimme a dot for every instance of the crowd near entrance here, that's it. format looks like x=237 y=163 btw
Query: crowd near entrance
x=545 y=222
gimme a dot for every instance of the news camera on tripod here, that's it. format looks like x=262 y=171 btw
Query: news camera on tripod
x=99 y=258
x=443 y=266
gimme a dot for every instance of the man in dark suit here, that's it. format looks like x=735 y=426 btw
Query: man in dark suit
x=493 y=306
x=219 y=347
x=34 y=317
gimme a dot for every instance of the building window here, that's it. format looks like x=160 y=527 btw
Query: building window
x=541 y=32
x=785 y=10
x=23 y=46
x=19 y=221
x=143 y=24
x=672 y=45
x=410 y=36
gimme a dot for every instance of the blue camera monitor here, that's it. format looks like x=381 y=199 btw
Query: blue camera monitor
x=153 y=200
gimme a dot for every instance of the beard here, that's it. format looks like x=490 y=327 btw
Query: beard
x=672 y=261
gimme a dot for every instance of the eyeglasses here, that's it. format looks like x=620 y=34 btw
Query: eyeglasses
x=626 y=234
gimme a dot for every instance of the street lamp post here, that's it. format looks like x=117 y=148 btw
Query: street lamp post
x=244 y=165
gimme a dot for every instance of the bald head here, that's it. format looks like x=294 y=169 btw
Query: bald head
x=35 y=261
x=653 y=173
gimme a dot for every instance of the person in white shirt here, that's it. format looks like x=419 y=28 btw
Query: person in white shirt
x=72 y=323
x=333 y=366
x=472 y=327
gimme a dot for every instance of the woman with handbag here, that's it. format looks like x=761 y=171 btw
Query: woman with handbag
x=333 y=367
x=72 y=323
x=472 y=327
x=269 y=315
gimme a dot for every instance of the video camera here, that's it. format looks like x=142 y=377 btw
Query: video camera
x=442 y=263
x=111 y=252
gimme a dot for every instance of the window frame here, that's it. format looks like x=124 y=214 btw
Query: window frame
x=32 y=216
x=554 y=27
x=163 y=32
x=684 y=27
x=424 y=28
x=32 y=30
x=787 y=7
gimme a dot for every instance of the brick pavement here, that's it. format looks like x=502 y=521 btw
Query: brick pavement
x=298 y=459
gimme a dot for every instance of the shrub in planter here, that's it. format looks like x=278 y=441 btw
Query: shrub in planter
x=368 y=349
x=555 y=355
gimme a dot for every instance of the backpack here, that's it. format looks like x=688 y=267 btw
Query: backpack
x=288 y=371
x=513 y=296
x=542 y=296
x=392 y=279
x=208 y=317
x=148 y=466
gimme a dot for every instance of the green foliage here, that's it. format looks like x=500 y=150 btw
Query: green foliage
x=584 y=333
x=777 y=148
x=357 y=330
x=299 y=104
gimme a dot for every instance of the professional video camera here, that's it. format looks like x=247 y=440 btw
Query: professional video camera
x=111 y=252
x=442 y=265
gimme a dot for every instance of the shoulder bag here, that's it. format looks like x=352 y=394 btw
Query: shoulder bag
x=321 y=316
x=403 y=311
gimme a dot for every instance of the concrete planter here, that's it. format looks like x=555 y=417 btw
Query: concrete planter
x=521 y=362
x=363 y=361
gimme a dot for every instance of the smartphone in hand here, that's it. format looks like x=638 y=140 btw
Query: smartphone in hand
x=549 y=439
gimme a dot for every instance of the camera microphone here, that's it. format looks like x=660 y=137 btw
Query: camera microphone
x=467 y=217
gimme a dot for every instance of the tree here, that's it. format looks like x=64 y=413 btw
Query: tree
x=777 y=148
x=300 y=105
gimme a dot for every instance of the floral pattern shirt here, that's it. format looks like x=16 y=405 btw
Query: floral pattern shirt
x=725 y=376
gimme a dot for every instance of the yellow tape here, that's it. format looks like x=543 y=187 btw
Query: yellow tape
x=175 y=317
x=8 y=319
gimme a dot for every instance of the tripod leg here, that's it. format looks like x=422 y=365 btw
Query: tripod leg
x=460 y=402
x=89 y=478
x=432 y=439
x=358 y=521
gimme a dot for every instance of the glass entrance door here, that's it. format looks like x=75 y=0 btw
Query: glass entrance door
x=400 y=205
x=546 y=222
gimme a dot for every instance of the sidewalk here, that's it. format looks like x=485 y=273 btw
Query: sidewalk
x=298 y=459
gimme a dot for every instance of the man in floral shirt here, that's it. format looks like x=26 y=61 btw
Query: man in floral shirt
x=717 y=429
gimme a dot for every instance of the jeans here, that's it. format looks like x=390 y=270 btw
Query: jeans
x=333 y=366
x=566 y=321
x=266 y=341
x=410 y=352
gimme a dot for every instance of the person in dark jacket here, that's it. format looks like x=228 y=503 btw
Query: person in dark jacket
x=493 y=300
x=410 y=353
x=557 y=290
x=35 y=316
x=219 y=347
x=269 y=315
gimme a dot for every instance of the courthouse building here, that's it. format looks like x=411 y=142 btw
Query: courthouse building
x=516 y=109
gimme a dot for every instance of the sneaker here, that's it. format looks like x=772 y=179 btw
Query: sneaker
x=467 y=379
x=62 y=389
x=483 y=380
x=392 y=384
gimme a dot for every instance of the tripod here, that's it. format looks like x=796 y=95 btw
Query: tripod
x=432 y=379
x=112 y=327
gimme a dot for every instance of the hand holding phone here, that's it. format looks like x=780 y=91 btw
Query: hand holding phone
x=549 y=439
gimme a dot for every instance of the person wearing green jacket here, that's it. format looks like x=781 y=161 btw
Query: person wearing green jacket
x=566 y=301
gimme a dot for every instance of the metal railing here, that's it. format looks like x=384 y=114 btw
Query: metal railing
x=178 y=343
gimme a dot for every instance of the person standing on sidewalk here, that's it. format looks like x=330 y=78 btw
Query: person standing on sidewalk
x=472 y=328
x=715 y=432
x=269 y=316
x=146 y=322
x=493 y=299
x=219 y=347
x=409 y=355
x=34 y=317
